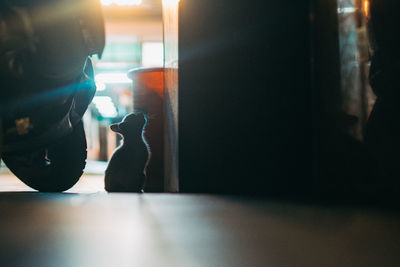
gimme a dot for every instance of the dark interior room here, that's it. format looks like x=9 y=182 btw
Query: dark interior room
x=199 y=133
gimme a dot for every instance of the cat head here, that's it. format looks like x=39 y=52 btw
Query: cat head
x=131 y=125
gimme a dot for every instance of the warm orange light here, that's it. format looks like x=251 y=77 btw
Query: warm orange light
x=366 y=8
x=121 y=2
x=170 y=2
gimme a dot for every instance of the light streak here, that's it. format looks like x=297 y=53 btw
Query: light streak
x=105 y=106
x=121 y=2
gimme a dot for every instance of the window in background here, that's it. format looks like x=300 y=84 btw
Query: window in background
x=152 y=54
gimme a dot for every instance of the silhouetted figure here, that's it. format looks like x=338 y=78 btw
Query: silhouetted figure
x=382 y=134
x=47 y=83
x=126 y=169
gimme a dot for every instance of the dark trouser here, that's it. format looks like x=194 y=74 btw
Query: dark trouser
x=55 y=168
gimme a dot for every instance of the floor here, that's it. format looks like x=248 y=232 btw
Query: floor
x=88 y=227
x=91 y=182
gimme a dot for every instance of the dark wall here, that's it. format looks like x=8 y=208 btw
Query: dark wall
x=245 y=96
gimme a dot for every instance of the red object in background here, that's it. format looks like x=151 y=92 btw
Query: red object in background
x=148 y=87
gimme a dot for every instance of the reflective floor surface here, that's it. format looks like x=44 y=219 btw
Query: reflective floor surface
x=100 y=229
x=87 y=227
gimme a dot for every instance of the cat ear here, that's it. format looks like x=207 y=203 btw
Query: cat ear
x=115 y=127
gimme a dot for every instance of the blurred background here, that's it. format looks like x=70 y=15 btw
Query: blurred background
x=134 y=38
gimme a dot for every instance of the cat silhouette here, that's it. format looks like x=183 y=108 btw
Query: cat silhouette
x=126 y=169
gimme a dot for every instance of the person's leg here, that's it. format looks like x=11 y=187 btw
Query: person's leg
x=55 y=168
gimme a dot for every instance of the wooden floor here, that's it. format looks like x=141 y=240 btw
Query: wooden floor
x=100 y=229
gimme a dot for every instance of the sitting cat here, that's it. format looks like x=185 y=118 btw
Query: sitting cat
x=126 y=170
